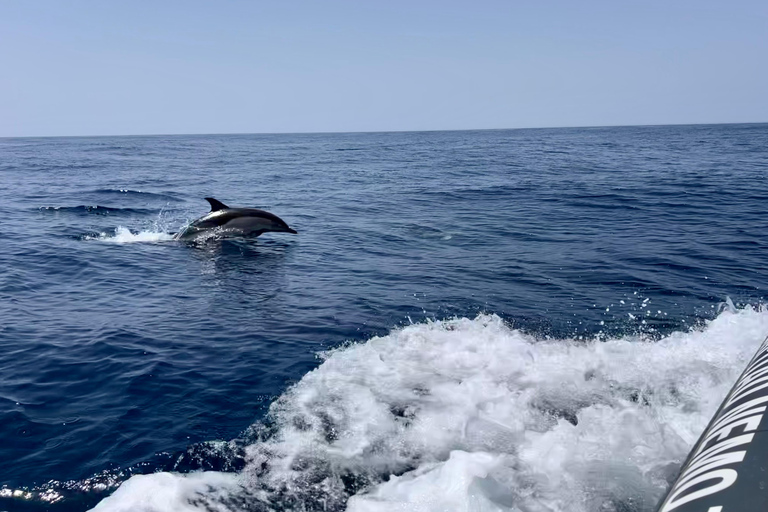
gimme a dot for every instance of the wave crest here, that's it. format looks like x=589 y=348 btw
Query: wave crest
x=96 y=210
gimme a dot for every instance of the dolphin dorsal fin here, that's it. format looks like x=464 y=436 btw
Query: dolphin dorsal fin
x=215 y=204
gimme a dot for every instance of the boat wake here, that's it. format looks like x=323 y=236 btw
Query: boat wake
x=470 y=414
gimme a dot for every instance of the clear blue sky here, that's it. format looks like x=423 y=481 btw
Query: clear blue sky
x=134 y=67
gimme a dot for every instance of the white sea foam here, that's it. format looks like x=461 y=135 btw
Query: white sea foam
x=165 y=491
x=470 y=415
x=124 y=235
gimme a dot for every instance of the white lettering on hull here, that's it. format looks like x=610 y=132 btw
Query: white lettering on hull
x=705 y=470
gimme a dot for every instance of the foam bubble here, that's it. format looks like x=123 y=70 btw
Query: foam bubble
x=469 y=414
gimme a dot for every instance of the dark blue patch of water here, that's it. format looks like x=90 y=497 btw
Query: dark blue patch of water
x=119 y=345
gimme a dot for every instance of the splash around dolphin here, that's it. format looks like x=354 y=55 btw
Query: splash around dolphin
x=225 y=221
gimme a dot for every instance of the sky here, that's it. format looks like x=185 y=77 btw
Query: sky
x=226 y=66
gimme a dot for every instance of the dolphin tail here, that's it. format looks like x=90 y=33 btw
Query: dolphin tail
x=216 y=205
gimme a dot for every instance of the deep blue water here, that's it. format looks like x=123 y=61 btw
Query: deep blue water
x=121 y=350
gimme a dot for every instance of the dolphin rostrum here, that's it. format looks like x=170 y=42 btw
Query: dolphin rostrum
x=233 y=222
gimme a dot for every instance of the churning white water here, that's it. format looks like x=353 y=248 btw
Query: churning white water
x=472 y=415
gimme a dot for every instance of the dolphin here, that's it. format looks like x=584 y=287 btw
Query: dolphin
x=233 y=222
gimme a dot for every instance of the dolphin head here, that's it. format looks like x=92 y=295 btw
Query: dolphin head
x=279 y=226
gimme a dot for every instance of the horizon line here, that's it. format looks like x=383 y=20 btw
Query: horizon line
x=378 y=131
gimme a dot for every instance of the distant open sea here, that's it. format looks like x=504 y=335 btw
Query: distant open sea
x=507 y=320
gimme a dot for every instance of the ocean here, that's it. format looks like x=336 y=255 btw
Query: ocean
x=503 y=320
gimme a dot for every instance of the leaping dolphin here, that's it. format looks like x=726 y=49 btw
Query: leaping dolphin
x=233 y=222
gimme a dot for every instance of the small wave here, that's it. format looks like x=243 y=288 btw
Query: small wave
x=214 y=457
x=426 y=232
x=96 y=210
x=137 y=193
x=124 y=235
x=469 y=414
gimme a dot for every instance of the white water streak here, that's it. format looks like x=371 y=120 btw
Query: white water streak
x=125 y=236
